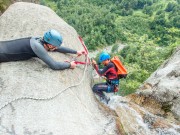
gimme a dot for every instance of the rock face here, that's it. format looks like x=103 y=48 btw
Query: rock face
x=155 y=108
x=71 y=111
x=161 y=92
x=136 y=120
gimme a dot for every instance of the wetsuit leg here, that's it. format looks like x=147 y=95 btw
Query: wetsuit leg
x=3 y=58
x=100 y=87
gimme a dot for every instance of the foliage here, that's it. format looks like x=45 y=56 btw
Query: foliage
x=170 y=6
x=133 y=24
x=114 y=48
x=4 y=4
x=148 y=10
x=105 y=22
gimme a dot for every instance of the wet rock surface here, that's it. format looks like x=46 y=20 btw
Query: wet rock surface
x=136 y=120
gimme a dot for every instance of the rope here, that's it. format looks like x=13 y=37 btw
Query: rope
x=52 y=97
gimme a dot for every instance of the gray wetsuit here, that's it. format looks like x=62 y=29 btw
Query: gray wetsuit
x=26 y=48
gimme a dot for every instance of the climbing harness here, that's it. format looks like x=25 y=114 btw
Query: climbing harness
x=59 y=93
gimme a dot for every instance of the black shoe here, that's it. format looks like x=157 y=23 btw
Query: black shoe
x=107 y=100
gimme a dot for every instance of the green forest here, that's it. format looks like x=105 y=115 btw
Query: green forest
x=150 y=29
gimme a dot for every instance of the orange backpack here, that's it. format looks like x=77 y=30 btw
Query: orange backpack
x=121 y=70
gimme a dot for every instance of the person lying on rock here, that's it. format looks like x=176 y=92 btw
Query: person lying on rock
x=110 y=73
x=26 y=48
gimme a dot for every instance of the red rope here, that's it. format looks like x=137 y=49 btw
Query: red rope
x=86 y=53
x=82 y=42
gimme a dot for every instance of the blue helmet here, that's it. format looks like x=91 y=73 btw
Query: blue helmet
x=104 y=56
x=53 y=37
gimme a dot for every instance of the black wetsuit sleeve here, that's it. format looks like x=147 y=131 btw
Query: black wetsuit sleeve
x=65 y=50
x=103 y=71
x=40 y=51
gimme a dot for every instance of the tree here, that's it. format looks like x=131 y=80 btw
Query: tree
x=170 y=6
x=176 y=21
x=147 y=10
x=128 y=4
x=160 y=19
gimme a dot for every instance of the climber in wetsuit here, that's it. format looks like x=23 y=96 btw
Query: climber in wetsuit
x=26 y=48
x=110 y=73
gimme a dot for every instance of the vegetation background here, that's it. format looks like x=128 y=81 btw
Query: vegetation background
x=149 y=28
